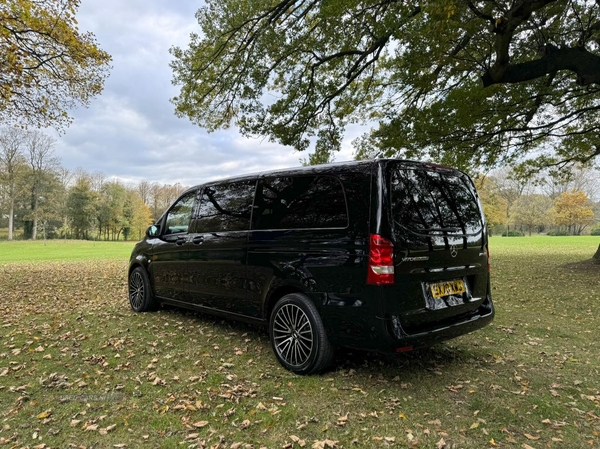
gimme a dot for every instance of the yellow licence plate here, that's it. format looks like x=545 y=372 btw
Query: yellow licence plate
x=447 y=288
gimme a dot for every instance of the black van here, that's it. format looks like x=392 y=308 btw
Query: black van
x=383 y=255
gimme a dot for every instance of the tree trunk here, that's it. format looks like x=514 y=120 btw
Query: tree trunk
x=11 y=214
x=34 y=228
x=35 y=218
x=597 y=255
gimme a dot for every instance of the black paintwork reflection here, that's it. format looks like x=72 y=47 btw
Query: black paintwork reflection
x=218 y=273
x=320 y=260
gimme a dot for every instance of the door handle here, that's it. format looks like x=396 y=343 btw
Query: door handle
x=180 y=241
x=198 y=240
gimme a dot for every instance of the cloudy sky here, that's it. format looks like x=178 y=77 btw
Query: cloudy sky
x=130 y=132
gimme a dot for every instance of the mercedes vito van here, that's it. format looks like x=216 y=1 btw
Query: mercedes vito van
x=383 y=255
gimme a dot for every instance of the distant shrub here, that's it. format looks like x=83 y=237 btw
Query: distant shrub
x=512 y=234
x=558 y=233
x=595 y=231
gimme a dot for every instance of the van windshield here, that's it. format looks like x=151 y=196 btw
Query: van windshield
x=434 y=202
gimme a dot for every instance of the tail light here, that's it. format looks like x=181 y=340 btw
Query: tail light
x=487 y=249
x=381 y=261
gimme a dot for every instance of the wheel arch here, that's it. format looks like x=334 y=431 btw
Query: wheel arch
x=142 y=263
x=276 y=294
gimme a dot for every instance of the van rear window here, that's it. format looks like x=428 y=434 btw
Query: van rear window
x=434 y=202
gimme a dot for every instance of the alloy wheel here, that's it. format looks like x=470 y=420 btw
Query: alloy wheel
x=136 y=290
x=293 y=335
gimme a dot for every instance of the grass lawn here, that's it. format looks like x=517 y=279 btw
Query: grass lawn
x=63 y=250
x=79 y=369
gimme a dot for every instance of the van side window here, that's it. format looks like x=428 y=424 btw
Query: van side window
x=225 y=207
x=178 y=218
x=301 y=202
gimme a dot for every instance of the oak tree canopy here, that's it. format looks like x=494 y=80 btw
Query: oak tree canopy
x=472 y=83
x=47 y=65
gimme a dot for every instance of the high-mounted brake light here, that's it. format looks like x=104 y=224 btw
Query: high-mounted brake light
x=381 y=261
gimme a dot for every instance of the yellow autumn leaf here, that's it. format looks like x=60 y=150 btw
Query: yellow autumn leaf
x=45 y=414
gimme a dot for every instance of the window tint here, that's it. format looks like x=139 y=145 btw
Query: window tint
x=433 y=202
x=300 y=203
x=225 y=207
x=178 y=218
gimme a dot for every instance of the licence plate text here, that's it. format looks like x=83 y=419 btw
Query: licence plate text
x=447 y=288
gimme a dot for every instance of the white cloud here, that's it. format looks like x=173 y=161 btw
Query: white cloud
x=130 y=132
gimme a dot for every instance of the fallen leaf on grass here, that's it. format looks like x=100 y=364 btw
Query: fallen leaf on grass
x=342 y=420
x=298 y=441
x=45 y=414
x=531 y=437
x=324 y=444
x=200 y=424
x=105 y=430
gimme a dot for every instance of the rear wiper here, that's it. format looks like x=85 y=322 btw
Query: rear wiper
x=459 y=231
x=441 y=229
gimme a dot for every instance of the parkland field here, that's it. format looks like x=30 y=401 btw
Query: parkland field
x=79 y=369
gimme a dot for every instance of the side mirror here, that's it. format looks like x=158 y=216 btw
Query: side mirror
x=153 y=231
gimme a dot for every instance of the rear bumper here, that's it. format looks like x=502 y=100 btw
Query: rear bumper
x=387 y=335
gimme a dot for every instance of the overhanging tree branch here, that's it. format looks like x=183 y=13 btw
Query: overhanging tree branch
x=584 y=63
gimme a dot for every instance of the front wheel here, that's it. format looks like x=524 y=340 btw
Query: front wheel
x=140 y=294
x=298 y=336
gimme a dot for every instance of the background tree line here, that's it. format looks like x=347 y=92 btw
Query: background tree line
x=558 y=202
x=41 y=199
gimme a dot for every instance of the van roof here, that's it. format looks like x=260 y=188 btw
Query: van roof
x=323 y=168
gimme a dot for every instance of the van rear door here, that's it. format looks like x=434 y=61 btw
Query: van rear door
x=440 y=243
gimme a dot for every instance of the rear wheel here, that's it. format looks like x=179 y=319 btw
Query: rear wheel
x=298 y=336
x=140 y=294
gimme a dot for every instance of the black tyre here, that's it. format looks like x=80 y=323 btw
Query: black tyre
x=140 y=293
x=298 y=336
